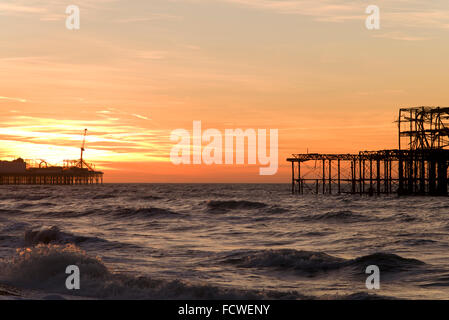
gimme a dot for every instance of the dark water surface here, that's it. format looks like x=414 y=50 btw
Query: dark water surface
x=203 y=241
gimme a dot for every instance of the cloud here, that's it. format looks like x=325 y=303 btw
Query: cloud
x=149 y=17
x=115 y=111
x=400 y=36
x=48 y=10
x=13 y=99
x=394 y=13
x=324 y=10
x=15 y=8
x=140 y=117
x=108 y=140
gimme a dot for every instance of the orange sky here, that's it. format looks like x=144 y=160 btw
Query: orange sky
x=137 y=70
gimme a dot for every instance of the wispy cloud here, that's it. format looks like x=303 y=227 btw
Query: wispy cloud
x=149 y=17
x=397 y=13
x=13 y=99
x=16 y=8
x=400 y=36
x=48 y=10
x=325 y=10
x=108 y=140
x=139 y=116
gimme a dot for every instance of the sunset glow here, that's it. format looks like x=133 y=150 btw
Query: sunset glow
x=133 y=73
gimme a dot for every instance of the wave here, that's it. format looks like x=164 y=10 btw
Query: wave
x=387 y=262
x=285 y=259
x=313 y=262
x=119 y=212
x=7 y=291
x=53 y=234
x=148 y=197
x=14 y=226
x=25 y=196
x=226 y=205
x=153 y=212
x=104 y=196
x=364 y=296
x=7 y=211
x=403 y=217
x=415 y=242
x=341 y=215
x=46 y=263
x=441 y=280
x=43 y=268
x=69 y=213
x=25 y=205
x=276 y=210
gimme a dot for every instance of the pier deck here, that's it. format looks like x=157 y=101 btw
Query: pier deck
x=63 y=178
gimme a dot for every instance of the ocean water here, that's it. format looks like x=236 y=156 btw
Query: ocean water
x=216 y=241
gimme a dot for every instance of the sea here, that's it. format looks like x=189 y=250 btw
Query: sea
x=219 y=241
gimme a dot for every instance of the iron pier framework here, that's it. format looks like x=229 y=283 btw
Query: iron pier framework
x=419 y=169
x=20 y=172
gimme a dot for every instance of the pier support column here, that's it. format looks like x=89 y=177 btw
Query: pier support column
x=401 y=176
x=324 y=176
x=432 y=177
x=293 y=177
x=371 y=190
x=353 y=176
x=422 y=176
x=378 y=176
x=339 y=182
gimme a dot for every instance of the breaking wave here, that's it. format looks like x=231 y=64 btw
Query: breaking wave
x=44 y=264
x=43 y=267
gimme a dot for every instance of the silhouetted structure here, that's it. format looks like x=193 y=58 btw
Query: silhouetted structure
x=72 y=172
x=15 y=166
x=17 y=172
x=420 y=169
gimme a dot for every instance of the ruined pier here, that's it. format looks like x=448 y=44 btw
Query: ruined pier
x=419 y=169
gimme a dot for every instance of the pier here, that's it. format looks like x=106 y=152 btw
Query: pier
x=53 y=175
x=72 y=172
x=419 y=169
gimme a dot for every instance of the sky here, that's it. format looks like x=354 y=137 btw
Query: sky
x=137 y=70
